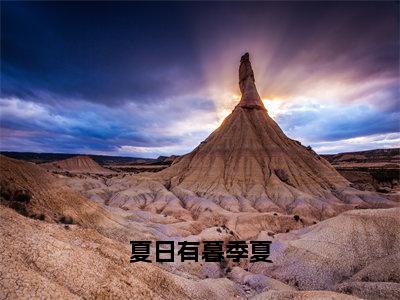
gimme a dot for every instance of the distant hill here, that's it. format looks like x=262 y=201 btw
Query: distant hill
x=76 y=164
x=52 y=157
x=373 y=170
x=371 y=156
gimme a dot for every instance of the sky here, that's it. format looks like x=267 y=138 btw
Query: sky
x=146 y=79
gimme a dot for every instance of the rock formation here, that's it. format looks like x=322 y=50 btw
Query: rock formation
x=249 y=162
x=250 y=97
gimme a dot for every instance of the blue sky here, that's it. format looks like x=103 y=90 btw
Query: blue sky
x=149 y=79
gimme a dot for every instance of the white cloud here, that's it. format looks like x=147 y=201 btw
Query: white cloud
x=390 y=140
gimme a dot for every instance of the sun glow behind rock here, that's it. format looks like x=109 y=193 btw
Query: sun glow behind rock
x=225 y=105
x=274 y=106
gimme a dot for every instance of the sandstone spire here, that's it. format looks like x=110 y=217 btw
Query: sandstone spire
x=250 y=97
x=249 y=164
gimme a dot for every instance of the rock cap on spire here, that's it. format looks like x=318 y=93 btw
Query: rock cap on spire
x=250 y=97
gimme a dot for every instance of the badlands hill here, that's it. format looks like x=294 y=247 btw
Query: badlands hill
x=37 y=194
x=34 y=192
x=56 y=244
x=76 y=164
x=89 y=258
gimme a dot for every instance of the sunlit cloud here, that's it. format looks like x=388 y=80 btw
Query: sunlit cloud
x=149 y=152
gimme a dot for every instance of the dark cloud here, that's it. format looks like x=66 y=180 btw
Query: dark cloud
x=91 y=127
x=101 y=53
x=95 y=77
x=333 y=124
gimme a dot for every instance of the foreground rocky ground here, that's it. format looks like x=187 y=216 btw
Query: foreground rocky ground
x=56 y=243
